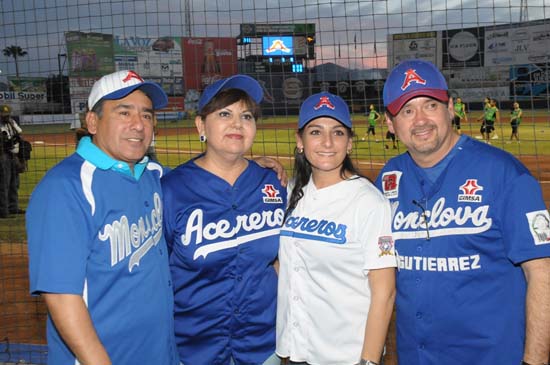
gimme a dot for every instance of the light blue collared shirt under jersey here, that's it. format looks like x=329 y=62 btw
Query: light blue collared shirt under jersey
x=90 y=152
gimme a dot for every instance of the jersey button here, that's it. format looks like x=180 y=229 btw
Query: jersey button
x=146 y=203
x=419 y=248
x=419 y=315
x=239 y=278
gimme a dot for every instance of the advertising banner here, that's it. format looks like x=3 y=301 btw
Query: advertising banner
x=283 y=93
x=261 y=29
x=478 y=94
x=420 y=45
x=476 y=77
x=80 y=90
x=462 y=47
x=23 y=94
x=156 y=59
x=89 y=54
x=206 y=60
x=517 y=44
x=530 y=81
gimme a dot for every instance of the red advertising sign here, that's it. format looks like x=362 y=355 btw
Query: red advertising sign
x=206 y=60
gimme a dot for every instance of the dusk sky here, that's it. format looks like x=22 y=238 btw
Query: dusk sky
x=348 y=32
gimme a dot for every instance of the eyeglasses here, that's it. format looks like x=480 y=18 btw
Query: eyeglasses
x=425 y=218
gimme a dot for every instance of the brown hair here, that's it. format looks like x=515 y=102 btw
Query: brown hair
x=227 y=97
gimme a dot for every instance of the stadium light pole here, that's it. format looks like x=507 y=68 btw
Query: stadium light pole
x=187 y=13
x=523 y=14
x=60 y=75
x=59 y=56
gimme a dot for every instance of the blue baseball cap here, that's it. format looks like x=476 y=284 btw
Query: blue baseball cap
x=121 y=83
x=324 y=105
x=410 y=79
x=242 y=82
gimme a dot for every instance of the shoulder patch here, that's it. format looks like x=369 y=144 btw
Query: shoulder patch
x=539 y=225
x=385 y=243
x=390 y=183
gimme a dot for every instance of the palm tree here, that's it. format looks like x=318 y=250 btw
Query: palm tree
x=14 y=51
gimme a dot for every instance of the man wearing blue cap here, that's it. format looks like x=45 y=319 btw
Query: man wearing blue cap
x=470 y=226
x=97 y=253
x=222 y=216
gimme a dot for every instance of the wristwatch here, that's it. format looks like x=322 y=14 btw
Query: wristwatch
x=367 y=362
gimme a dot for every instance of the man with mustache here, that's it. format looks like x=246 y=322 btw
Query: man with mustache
x=473 y=285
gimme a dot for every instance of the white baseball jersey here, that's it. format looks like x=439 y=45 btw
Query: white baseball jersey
x=333 y=237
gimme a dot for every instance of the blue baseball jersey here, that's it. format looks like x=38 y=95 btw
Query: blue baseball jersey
x=95 y=230
x=461 y=236
x=223 y=241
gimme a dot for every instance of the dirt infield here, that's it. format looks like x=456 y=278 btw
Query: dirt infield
x=23 y=317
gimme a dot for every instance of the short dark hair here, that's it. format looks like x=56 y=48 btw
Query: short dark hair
x=98 y=108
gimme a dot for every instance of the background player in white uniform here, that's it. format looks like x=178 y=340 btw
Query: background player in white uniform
x=96 y=249
x=223 y=215
x=470 y=224
x=337 y=276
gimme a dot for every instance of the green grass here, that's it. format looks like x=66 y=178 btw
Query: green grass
x=274 y=138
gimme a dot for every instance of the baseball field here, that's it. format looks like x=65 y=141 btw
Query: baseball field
x=22 y=319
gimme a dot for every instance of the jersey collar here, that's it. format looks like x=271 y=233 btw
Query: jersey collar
x=90 y=152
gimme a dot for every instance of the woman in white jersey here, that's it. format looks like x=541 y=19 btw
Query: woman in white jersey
x=337 y=261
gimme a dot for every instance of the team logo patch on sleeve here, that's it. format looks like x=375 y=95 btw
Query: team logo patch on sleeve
x=271 y=195
x=385 y=243
x=390 y=183
x=469 y=191
x=539 y=224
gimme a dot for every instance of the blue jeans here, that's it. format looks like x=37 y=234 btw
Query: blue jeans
x=272 y=360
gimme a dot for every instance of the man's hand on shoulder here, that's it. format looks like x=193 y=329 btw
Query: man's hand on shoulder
x=271 y=163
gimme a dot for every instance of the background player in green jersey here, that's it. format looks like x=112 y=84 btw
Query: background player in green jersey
x=373 y=118
x=515 y=120
x=460 y=114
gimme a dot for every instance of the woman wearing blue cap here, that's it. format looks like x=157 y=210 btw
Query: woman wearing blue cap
x=337 y=260
x=222 y=217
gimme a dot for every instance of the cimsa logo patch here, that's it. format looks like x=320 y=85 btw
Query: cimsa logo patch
x=271 y=195
x=469 y=192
